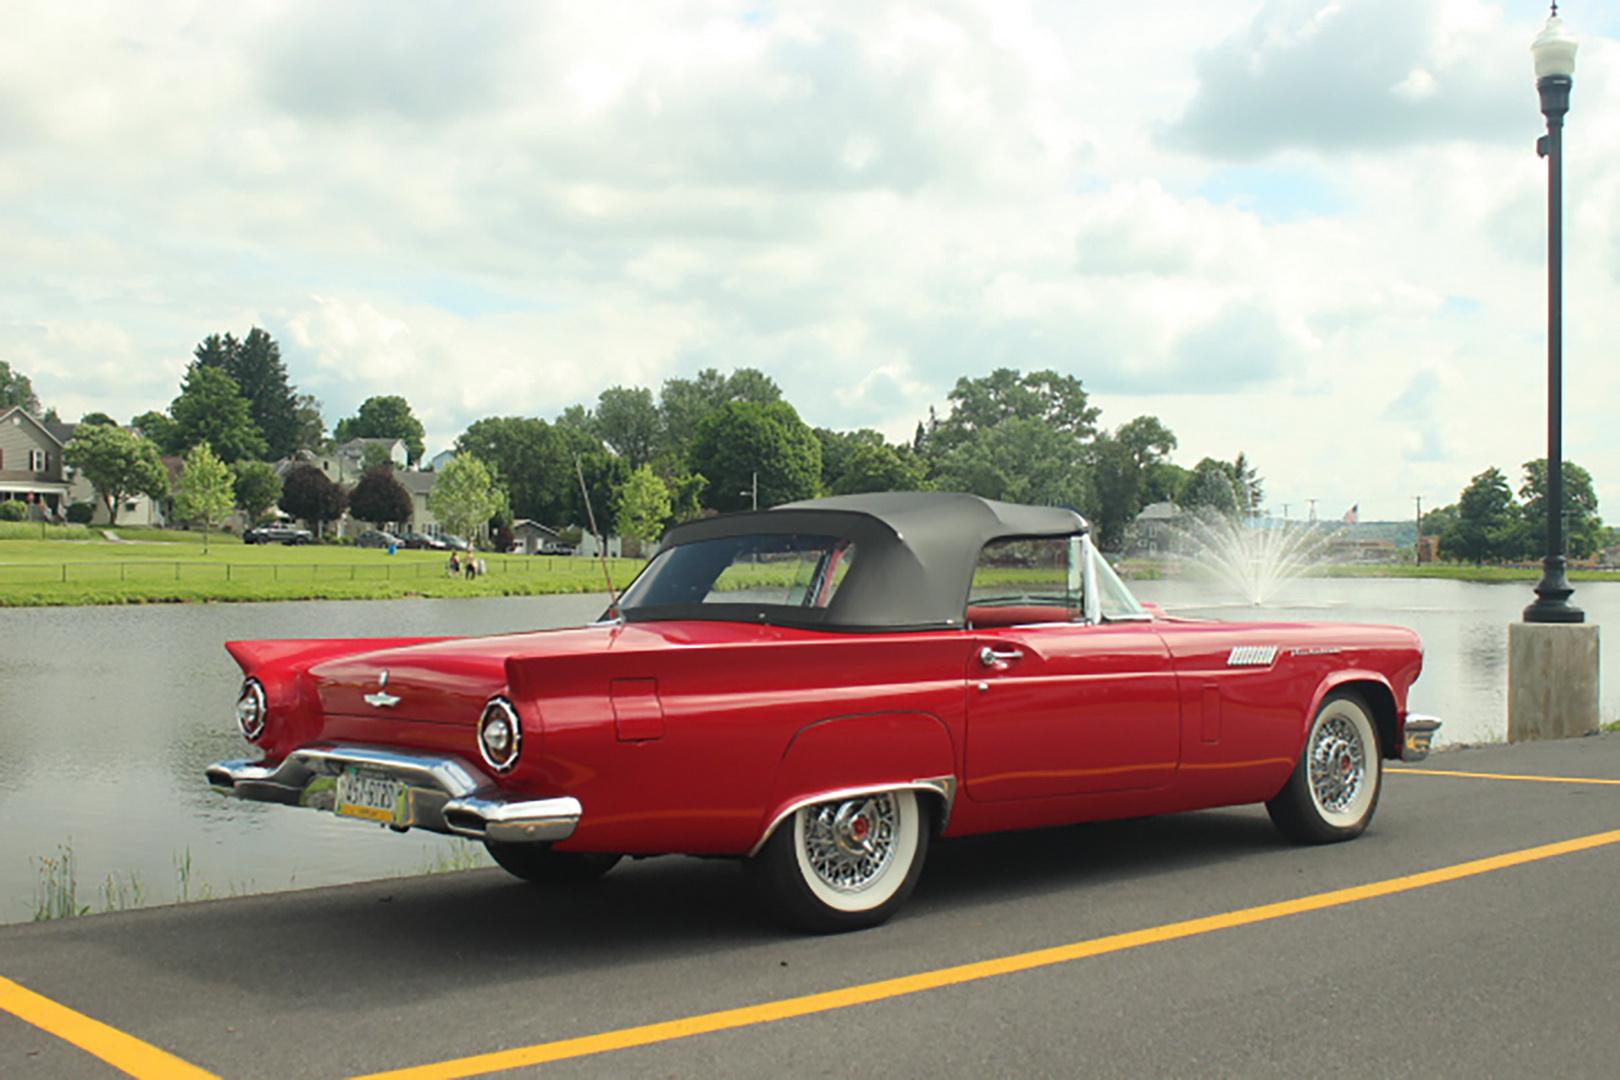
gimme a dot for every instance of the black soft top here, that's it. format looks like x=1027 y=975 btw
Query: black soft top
x=916 y=551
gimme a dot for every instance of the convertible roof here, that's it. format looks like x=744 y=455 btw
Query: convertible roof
x=916 y=550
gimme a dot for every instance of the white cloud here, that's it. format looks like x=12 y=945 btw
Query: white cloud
x=508 y=209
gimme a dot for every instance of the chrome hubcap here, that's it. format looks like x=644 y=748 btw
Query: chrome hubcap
x=850 y=844
x=1338 y=765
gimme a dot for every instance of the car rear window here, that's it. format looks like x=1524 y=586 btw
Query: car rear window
x=769 y=569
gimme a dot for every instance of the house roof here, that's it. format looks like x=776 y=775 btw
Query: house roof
x=6 y=416
x=528 y=525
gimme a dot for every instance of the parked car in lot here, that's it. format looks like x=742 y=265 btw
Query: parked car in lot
x=277 y=534
x=422 y=542
x=376 y=538
x=820 y=690
x=455 y=542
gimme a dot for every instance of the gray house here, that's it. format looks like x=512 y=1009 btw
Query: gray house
x=31 y=467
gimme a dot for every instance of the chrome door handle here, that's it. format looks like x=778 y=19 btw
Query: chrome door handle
x=990 y=657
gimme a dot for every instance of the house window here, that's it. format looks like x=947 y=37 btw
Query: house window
x=37 y=460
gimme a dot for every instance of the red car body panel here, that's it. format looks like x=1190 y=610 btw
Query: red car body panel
x=695 y=736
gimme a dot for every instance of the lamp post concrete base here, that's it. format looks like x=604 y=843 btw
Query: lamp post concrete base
x=1552 y=680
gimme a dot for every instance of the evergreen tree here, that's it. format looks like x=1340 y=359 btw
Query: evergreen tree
x=255 y=364
x=211 y=409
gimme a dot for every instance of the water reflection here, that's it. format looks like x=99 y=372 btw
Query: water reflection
x=109 y=715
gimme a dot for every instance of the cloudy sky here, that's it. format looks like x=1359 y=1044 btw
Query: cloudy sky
x=1312 y=231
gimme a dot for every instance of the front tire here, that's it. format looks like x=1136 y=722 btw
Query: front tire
x=538 y=864
x=847 y=864
x=1335 y=786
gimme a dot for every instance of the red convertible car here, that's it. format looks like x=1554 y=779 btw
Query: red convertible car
x=820 y=689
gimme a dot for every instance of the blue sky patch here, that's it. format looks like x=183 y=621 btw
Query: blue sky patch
x=1274 y=192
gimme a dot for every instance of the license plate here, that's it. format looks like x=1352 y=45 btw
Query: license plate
x=370 y=796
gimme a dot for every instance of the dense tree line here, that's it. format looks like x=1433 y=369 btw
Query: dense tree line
x=642 y=460
x=1486 y=523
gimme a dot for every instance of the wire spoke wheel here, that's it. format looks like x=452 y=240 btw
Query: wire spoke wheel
x=1335 y=785
x=844 y=864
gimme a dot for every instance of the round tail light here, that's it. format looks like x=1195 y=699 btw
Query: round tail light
x=500 y=735
x=251 y=710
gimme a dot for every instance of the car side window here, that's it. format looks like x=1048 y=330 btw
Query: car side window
x=1017 y=581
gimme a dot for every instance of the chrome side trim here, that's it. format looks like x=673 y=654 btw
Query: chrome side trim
x=1418 y=734
x=443 y=794
x=943 y=786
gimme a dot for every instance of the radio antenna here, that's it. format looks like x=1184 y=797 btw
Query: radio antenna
x=601 y=541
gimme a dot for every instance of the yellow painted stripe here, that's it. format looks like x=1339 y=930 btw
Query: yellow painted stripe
x=866 y=993
x=1507 y=776
x=121 y=1051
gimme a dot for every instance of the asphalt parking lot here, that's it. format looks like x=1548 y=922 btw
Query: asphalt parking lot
x=1472 y=931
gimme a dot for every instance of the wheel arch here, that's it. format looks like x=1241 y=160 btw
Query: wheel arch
x=1375 y=690
x=862 y=754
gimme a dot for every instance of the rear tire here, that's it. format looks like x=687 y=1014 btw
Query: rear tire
x=1335 y=786
x=847 y=864
x=538 y=864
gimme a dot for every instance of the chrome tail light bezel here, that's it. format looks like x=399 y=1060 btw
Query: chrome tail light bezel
x=253 y=695
x=499 y=708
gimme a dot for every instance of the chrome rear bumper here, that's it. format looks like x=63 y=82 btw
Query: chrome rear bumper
x=441 y=794
x=1418 y=734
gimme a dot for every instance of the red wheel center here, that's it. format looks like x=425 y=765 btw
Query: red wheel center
x=1345 y=764
x=860 y=828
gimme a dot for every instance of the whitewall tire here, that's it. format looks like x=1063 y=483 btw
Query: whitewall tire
x=1335 y=786
x=845 y=864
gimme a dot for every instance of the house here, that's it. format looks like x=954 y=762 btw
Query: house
x=31 y=466
x=1155 y=528
x=439 y=460
x=351 y=456
x=534 y=538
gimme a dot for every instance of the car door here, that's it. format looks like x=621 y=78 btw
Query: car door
x=1068 y=709
x=1070 y=690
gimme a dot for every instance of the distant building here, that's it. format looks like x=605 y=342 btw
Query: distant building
x=31 y=466
x=1154 y=528
x=534 y=538
x=439 y=461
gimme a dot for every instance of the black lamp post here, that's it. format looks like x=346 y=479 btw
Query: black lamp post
x=1554 y=53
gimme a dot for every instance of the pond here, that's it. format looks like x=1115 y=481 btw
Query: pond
x=109 y=715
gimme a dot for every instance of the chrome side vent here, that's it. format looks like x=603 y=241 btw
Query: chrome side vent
x=1252 y=656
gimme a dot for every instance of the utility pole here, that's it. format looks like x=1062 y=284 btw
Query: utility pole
x=1313 y=508
x=1418 y=551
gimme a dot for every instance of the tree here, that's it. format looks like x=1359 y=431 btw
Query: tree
x=627 y=420
x=1021 y=459
x=604 y=475
x=880 y=468
x=118 y=464
x=309 y=430
x=306 y=493
x=683 y=404
x=1246 y=485
x=1485 y=520
x=205 y=492
x=1583 y=528
x=97 y=418
x=838 y=448
x=16 y=389
x=159 y=428
x=256 y=487
x=1058 y=401
x=211 y=409
x=643 y=506
x=387 y=416
x=379 y=498
x=464 y=496
x=742 y=438
x=254 y=363
x=529 y=460
x=1211 y=488
x=1123 y=468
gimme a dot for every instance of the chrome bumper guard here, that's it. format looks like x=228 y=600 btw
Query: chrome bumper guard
x=441 y=794
x=1420 y=731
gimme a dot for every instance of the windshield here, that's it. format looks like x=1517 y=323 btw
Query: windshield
x=771 y=569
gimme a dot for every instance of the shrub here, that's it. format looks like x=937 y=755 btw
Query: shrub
x=13 y=510
x=81 y=513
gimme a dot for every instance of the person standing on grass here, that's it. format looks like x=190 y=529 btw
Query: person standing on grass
x=455 y=564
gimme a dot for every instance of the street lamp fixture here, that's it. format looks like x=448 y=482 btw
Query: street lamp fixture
x=1554 y=55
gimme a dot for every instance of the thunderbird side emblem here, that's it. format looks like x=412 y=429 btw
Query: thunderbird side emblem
x=382 y=699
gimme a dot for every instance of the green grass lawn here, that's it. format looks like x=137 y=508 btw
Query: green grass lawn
x=93 y=570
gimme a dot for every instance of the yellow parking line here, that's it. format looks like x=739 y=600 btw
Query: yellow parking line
x=1507 y=776
x=117 y=1049
x=866 y=993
